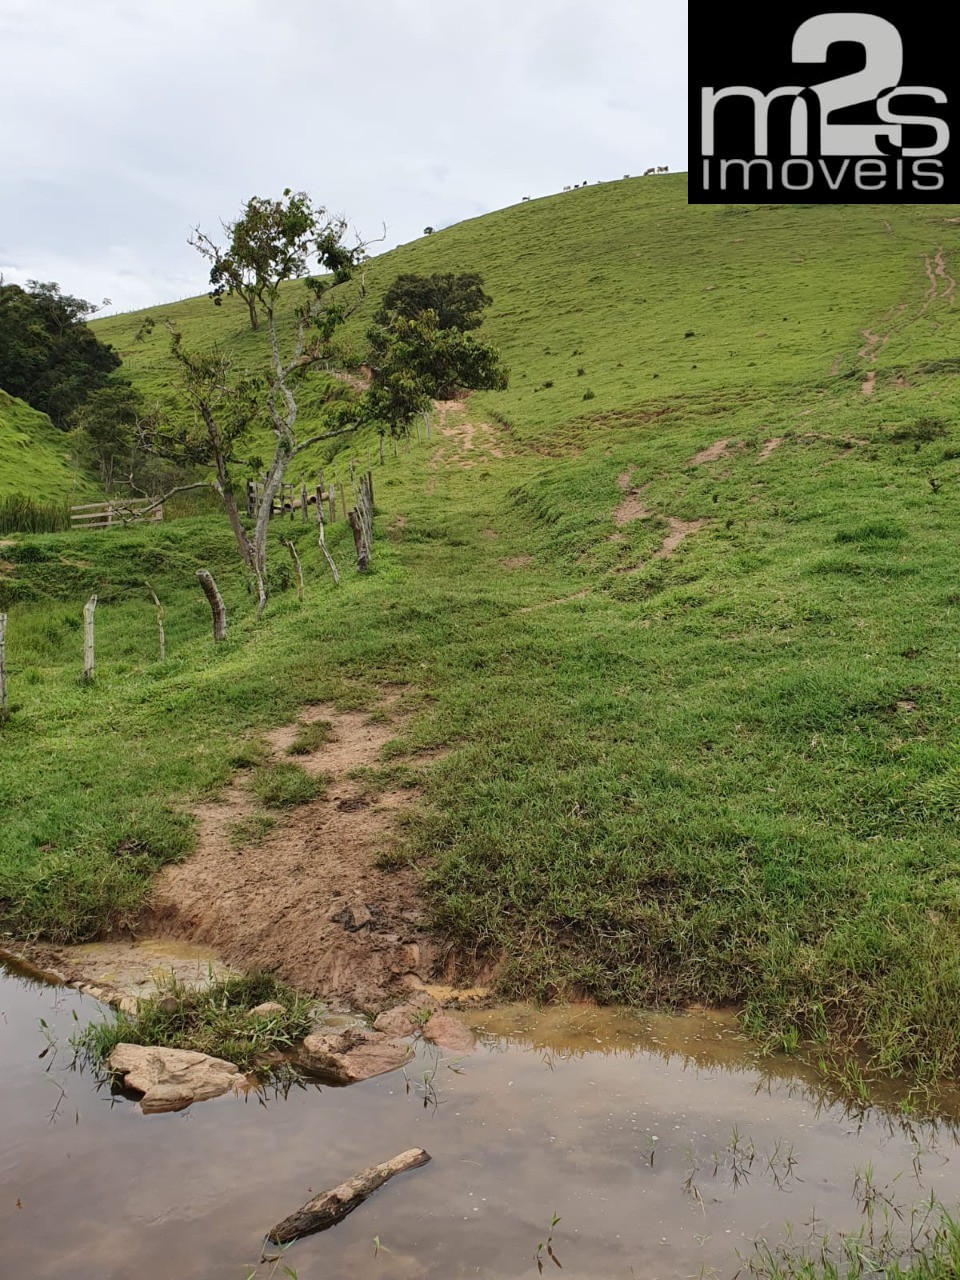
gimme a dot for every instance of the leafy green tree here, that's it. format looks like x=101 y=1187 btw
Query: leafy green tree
x=104 y=430
x=457 y=299
x=416 y=361
x=272 y=244
x=49 y=357
x=273 y=241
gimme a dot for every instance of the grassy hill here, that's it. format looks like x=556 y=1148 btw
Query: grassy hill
x=681 y=602
x=34 y=458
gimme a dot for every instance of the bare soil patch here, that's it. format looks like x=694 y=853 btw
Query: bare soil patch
x=679 y=529
x=517 y=562
x=866 y=387
x=769 y=447
x=632 y=507
x=308 y=900
x=713 y=453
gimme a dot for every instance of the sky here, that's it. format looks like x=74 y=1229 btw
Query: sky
x=125 y=123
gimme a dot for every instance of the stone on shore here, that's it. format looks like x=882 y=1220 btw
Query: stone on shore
x=171 y=1079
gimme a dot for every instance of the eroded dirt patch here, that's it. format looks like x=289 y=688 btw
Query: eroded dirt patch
x=632 y=507
x=769 y=447
x=713 y=453
x=307 y=900
x=866 y=387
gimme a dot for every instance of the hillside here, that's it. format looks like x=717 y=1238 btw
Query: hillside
x=679 y=631
x=34 y=458
x=654 y=299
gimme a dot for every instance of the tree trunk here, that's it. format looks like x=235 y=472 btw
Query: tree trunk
x=331 y=1207
x=252 y=308
x=216 y=604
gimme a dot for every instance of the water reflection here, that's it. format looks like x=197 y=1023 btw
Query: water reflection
x=634 y=1146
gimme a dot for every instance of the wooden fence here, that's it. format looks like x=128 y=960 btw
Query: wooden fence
x=102 y=515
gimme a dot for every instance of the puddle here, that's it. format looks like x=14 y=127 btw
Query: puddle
x=661 y=1145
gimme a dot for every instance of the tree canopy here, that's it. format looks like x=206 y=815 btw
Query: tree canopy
x=421 y=349
x=456 y=299
x=49 y=357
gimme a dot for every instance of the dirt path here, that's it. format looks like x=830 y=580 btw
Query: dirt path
x=306 y=899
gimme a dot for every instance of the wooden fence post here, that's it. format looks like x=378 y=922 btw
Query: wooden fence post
x=328 y=557
x=251 y=500
x=160 y=634
x=4 y=713
x=381 y=448
x=303 y=499
x=88 y=611
x=361 y=523
x=216 y=604
x=426 y=423
x=297 y=566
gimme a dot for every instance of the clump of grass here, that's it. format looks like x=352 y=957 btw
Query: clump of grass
x=284 y=785
x=250 y=831
x=310 y=737
x=932 y=1252
x=922 y=430
x=20 y=514
x=249 y=754
x=215 y=1020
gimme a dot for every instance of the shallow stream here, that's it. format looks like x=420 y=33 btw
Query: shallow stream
x=664 y=1146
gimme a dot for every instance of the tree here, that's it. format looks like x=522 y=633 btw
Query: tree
x=273 y=241
x=105 y=430
x=416 y=361
x=458 y=300
x=49 y=357
x=272 y=244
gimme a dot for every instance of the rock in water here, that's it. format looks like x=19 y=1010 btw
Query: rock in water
x=447 y=1033
x=170 y=1079
x=355 y=1053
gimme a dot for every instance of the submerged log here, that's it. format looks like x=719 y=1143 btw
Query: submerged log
x=331 y=1207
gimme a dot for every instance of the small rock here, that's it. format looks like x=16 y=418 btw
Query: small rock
x=353 y=917
x=356 y=1053
x=447 y=1033
x=170 y=1079
x=407 y=1018
x=168 y=1004
x=266 y=1010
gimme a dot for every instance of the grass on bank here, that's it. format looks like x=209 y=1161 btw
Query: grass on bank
x=216 y=1020
x=727 y=776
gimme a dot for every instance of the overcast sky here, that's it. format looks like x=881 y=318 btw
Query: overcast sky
x=126 y=122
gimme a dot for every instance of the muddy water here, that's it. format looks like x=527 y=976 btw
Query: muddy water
x=599 y=1118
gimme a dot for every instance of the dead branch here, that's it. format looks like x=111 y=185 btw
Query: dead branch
x=331 y=1207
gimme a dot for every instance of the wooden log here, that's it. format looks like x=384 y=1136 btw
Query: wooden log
x=160 y=633
x=217 y=607
x=88 y=611
x=297 y=566
x=328 y=557
x=4 y=713
x=331 y=1207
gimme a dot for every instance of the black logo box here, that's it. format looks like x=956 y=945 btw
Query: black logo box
x=812 y=156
